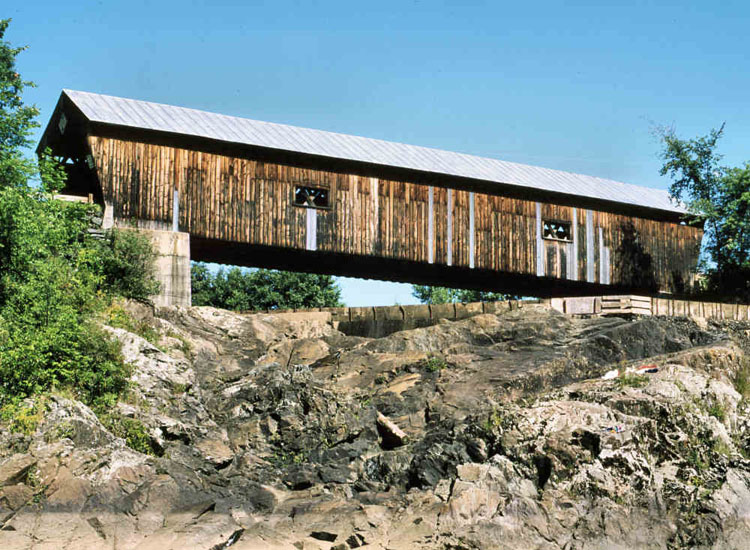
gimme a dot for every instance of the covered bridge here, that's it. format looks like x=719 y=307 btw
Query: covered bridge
x=218 y=188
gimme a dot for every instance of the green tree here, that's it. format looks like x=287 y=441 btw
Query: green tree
x=443 y=295
x=718 y=196
x=55 y=277
x=17 y=121
x=245 y=290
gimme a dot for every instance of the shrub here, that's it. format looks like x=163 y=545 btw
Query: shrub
x=127 y=260
x=54 y=276
x=742 y=378
x=117 y=317
x=434 y=364
x=78 y=356
x=23 y=417
x=718 y=411
x=132 y=430
x=632 y=380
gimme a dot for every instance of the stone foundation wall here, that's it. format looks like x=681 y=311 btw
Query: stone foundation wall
x=376 y=322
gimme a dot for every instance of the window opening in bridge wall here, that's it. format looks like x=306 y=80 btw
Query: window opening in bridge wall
x=311 y=197
x=557 y=231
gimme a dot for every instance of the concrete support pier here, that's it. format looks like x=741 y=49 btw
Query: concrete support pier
x=172 y=250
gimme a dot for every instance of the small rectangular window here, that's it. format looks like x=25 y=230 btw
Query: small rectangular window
x=311 y=197
x=557 y=231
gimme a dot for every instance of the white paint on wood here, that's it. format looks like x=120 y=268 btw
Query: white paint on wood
x=374 y=191
x=573 y=250
x=431 y=225
x=176 y=211
x=539 y=243
x=603 y=264
x=471 y=230
x=311 y=241
x=450 y=228
x=606 y=266
x=590 y=246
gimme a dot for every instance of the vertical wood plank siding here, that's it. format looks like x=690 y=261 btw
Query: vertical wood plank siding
x=249 y=201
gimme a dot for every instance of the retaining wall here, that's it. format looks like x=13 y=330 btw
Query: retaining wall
x=378 y=321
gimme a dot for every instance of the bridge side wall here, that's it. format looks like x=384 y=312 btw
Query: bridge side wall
x=242 y=200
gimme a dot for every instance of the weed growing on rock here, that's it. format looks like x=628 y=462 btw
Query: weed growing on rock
x=185 y=346
x=742 y=379
x=434 y=364
x=718 y=411
x=722 y=448
x=628 y=380
x=117 y=317
x=696 y=459
x=131 y=430
x=64 y=430
x=23 y=417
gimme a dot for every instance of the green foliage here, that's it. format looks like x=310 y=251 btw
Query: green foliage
x=492 y=423
x=244 y=290
x=718 y=411
x=54 y=276
x=131 y=430
x=23 y=416
x=65 y=430
x=127 y=261
x=434 y=364
x=699 y=462
x=719 y=196
x=117 y=317
x=442 y=295
x=629 y=380
x=722 y=448
x=742 y=379
x=17 y=121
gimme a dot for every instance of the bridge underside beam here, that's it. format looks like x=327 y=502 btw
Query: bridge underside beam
x=369 y=267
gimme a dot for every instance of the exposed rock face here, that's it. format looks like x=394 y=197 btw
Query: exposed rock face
x=277 y=431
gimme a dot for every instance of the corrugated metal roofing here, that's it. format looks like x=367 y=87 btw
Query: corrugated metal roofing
x=191 y=122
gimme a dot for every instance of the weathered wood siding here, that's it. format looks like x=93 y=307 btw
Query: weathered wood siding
x=248 y=201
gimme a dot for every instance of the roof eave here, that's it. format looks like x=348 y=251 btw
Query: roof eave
x=233 y=148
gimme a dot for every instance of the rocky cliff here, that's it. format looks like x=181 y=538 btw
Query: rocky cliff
x=498 y=431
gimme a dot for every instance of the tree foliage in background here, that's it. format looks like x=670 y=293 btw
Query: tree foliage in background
x=719 y=196
x=442 y=295
x=54 y=276
x=17 y=120
x=244 y=290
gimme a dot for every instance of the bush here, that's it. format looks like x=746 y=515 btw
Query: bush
x=79 y=357
x=51 y=285
x=434 y=364
x=54 y=276
x=131 y=430
x=127 y=261
x=628 y=380
x=117 y=317
x=742 y=378
x=23 y=417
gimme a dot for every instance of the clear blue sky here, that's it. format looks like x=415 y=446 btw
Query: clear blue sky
x=569 y=85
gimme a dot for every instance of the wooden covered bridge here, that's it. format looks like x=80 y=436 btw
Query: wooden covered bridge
x=217 y=188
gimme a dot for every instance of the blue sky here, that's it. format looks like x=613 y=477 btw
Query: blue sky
x=575 y=86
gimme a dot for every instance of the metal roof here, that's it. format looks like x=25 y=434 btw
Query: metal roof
x=191 y=122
